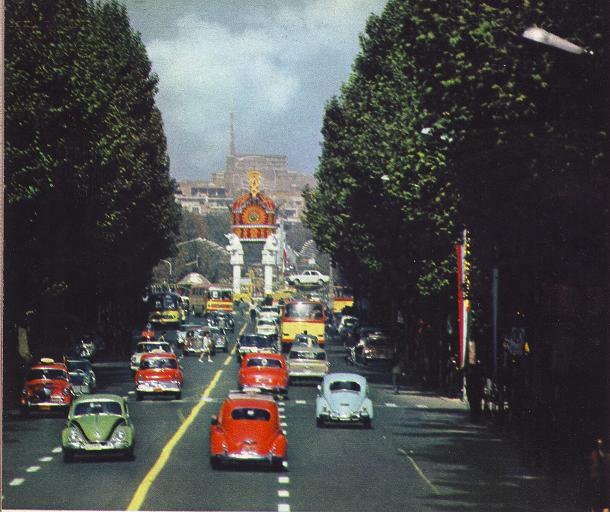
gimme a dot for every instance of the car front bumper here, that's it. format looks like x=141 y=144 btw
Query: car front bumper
x=169 y=387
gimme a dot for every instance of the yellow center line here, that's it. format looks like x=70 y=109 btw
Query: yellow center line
x=142 y=490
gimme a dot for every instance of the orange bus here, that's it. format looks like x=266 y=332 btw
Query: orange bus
x=300 y=316
x=220 y=298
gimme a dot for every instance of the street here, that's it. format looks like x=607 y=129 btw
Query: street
x=422 y=454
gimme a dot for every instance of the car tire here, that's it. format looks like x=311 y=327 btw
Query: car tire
x=320 y=423
x=138 y=396
x=68 y=456
x=130 y=455
x=277 y=463
x=25 y=411
x=368 y=424
x=178 y=395
x=215 y=463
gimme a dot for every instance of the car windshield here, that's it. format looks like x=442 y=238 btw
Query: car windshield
x=149 y=347
x=77 y=377
x=350 y=321
x=266 y=322
x=264 y=362
x=250 y=413
x=47 y=373
x=305 y=338
x=344 y=385
x=79 y=365
x=319 y=356
x=158 y=362
x=304 y=310
x=99 y=407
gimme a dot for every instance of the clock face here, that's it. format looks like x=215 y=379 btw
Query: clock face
x=253 y=215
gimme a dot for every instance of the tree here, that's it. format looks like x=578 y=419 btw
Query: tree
x=89 y=200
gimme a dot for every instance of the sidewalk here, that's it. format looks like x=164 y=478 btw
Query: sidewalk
x=477 y=466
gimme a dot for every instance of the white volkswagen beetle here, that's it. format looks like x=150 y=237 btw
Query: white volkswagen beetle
x=343 y=398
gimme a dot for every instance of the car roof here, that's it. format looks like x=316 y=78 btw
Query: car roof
x=49 y=366
x=99 y=397
x=154 y=355
x=332 y=377
x=305 y=347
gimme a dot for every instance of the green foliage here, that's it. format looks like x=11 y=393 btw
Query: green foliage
x=512 y=128
x=89 y=200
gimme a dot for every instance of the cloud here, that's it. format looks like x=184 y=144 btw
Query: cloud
x=274 y=65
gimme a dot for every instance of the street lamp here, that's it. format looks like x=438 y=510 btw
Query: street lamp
x=541 y=36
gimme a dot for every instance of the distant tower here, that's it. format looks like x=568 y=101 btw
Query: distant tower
x=232 y=136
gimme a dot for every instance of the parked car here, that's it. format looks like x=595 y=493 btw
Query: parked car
x=252 y=343
x=307 y=361
x=308 y=277
x=81 y=382
x=343 y=398
x=98 y=424
x=159 y=373
x=374 y=344
x=346 y=322
x=145 y=347
x=266 y=373
x=84 y=365
x=47 y=387
x=247 y=429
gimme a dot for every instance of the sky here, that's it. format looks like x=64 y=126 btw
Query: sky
x=274 y=63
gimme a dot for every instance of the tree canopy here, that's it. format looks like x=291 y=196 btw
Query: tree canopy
x=89 y=199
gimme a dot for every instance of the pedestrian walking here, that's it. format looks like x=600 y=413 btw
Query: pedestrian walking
x=206 y=349
x=475 y=385
x=598 y=462
x=397 y=370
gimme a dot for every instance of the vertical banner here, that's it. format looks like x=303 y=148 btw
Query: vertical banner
x=463 y=302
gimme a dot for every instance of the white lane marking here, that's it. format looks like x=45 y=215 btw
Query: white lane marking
x=32 y=469
x=281 y=403
x=283 y=479
x=282 y=416
x=284 y=432
x=285 y=463
x=283 y=493
x=281 y=409
x=16 y=481
x=45 y=459
x=421 y=406
x=131 y=392
x=283 y=424
x=300 y=402
x=419 y=471
x=283 y=507
x=57 y=449
x=390 y=404
x=206 y=399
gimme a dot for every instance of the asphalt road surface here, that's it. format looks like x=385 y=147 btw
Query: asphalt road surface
x=422 y=454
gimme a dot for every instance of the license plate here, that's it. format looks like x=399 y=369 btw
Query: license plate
x=45 y=407
x=158 y=390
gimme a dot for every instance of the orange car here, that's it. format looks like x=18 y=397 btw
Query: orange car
x=47 y=387
x=264 y=372
x=159 y=372
x=247 y=429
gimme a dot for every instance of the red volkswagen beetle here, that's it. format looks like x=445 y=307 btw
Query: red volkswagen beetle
x=247 y=429
x=264 y=372
x=47 y=387
x=159 y=373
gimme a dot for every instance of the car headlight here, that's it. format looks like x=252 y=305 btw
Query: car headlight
x=75 y=436
x=119 y=436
